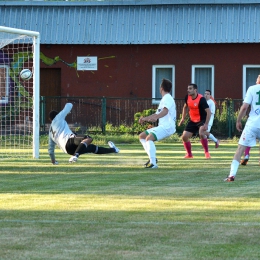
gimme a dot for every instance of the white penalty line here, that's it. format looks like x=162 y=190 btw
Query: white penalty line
x=127 y=222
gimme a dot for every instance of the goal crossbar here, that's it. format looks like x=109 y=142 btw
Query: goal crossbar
x=19 y=31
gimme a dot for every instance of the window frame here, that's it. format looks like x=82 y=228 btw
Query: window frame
x=244 y=86
x=212 y=67
x=154 y=67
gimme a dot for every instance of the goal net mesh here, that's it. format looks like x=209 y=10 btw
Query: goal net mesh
x=16 y=96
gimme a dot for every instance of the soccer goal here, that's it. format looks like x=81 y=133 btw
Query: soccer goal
x=19 y=98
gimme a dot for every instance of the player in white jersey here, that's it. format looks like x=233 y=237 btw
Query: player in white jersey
x=69 y=142
x=166 y=113
x=212 y=108
x=251 y=131
x=247 y=151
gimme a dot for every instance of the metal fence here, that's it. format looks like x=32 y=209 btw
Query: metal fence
x=97 y=112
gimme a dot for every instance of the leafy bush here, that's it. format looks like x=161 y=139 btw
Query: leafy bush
x=137 y=127
x=225 y=120
x=180 y=129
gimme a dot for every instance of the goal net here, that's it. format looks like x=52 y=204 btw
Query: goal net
x=19 y=99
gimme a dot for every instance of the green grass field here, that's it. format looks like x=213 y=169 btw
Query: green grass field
x=110 y=207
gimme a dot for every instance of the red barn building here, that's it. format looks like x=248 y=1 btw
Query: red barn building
x=214 y=44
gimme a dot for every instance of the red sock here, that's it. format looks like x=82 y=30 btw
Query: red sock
x=247 y=151
x=204 y=143
x=187 y=146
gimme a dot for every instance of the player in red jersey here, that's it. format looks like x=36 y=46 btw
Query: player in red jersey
x=199 y=114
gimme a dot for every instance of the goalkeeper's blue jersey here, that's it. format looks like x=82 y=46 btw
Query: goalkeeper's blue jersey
x=59 y=131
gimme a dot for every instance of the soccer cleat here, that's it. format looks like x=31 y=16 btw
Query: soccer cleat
x=73 y=159
x=151 y=166
x=244 y=161
x=112 y=145
x=217 y=144
x=229 y=178
x=207 y=155
x=188 y=156
x=148 y=162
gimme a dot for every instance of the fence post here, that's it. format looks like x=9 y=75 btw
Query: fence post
x=42 y=112
x=104 y=115
x=232 y=117
x=229 y=117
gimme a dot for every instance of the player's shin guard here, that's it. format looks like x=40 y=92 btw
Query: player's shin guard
x=84 y=148
x=143 y=142
x=99 y=150
x=151 y=150
x=233 y=168
x=187 y=146
x=247 y=151
x=81 y=149
x=103 y=150
x=204 y=143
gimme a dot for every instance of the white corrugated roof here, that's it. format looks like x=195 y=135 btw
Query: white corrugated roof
x=136 y=22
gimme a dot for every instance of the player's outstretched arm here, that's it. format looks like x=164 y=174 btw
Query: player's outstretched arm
x=67 y=108
x=151 y=118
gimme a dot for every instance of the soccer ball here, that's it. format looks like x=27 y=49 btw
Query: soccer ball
x=25 y=74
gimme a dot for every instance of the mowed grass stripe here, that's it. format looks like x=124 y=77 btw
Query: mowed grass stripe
x=110 y=207
x=148 y=223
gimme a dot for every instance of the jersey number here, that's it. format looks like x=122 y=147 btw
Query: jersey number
x=258 y=103
x=53 y=132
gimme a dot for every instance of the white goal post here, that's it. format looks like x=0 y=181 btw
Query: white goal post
x=19 y=100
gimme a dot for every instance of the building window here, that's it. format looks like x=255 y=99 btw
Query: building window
x=4 y=84
x=160 y=72
x=203 y=76
x=250 y=73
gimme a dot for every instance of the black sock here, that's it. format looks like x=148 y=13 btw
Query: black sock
x=103 y=150
x=82 y=148
x=91 y=148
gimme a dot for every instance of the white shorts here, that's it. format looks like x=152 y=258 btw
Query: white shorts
x=210 y=123
x=249 y=136
x=160 y=132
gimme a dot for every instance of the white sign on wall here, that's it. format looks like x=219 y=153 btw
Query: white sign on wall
x=87 y=63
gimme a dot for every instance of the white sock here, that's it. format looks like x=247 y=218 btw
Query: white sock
x=234 y=168
x=143 y=142
x=151 y=150
x=213 y=138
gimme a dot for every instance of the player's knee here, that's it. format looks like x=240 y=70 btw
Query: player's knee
x=183 y=137
x=150 y=137
x=142 y=135
x=87 y=140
